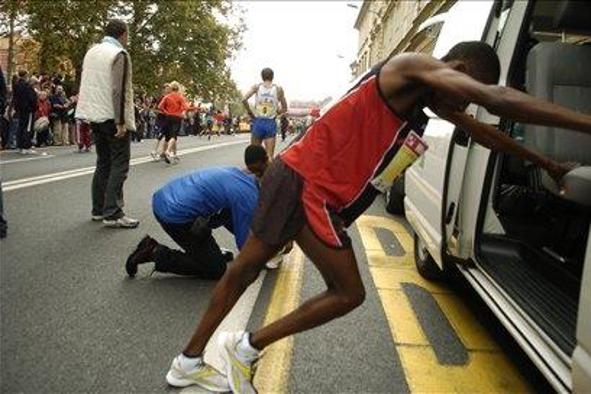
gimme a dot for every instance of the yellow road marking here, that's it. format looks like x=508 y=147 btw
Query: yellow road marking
x=487 y=370
x=273 y=370
x=484 y=373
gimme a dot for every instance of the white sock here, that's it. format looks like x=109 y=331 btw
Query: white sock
x=189 y=363
x=245 y=351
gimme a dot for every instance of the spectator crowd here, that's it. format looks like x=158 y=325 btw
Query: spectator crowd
x=39 y=111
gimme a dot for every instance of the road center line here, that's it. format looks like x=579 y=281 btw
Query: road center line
x=58 y=176
x=2 y=162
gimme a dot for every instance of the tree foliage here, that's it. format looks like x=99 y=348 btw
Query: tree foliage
x=186 y=41
x=183 y=41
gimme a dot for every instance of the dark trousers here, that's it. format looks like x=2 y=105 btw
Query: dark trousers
x=4 y=128
x=25 y=128
x=200 y=257
x=112 y=166
x=3 y=223
x=43 y=137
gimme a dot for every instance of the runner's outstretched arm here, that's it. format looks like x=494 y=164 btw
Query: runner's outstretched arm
x=494 y=139
x=502 y=101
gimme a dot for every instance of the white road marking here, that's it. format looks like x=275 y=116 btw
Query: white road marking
x=236 y=320
x=42 y=156
x=58 y=176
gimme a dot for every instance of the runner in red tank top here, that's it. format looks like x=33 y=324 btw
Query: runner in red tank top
x=327 y=179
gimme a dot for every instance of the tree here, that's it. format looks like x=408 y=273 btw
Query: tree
x=187 y=41
x=183 y=41
x=12 y=18
x=65 y=29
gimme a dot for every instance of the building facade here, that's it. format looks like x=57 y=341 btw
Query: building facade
x=388 y=27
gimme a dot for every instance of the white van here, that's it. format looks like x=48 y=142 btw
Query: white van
x=525 y=250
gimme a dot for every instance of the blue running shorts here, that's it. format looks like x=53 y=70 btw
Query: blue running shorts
x=264 y=128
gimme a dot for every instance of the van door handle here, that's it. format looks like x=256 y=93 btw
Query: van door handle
x=450 y=212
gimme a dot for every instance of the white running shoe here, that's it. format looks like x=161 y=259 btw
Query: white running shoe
x=275 y=262
x=239 y=369
x=155 y=156
x=203 y=375
x=122 y=222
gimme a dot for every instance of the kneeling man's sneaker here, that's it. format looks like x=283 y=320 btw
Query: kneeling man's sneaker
x=143 y=253
x=202 y=375
x=122 y=222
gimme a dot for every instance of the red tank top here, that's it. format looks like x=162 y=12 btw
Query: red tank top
x=342 y=150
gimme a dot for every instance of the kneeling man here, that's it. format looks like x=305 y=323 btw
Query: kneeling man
x=188 y=208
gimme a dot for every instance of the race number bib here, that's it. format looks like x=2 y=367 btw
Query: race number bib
x=266 y=108
x=412 y=148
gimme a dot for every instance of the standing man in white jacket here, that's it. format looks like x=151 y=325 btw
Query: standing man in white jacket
x=106 y=102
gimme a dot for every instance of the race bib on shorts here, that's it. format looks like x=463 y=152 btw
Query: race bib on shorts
x=412 y=148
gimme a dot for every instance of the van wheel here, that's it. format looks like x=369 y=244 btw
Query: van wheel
x=426 y=266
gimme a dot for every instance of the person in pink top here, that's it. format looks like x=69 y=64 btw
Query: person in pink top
x=173 y=106
x=42 y=119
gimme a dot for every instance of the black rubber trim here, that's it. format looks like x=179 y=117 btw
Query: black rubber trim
x=514 y=265
x=523 y=336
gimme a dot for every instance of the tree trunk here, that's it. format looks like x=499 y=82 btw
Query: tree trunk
x=10 y=67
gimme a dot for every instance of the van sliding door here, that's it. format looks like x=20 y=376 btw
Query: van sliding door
x=427 y=186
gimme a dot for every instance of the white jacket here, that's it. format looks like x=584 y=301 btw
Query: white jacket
x=95 y=100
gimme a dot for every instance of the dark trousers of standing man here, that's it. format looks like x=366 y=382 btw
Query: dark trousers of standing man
x=201 y=257
x=112 y=166
x=25 y=130
x=3 y=223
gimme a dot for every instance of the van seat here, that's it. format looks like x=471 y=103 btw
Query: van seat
x=560 y=73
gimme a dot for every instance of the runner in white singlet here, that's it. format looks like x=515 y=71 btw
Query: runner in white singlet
x=269 y=103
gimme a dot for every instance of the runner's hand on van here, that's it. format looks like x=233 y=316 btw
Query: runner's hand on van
x=558 y=170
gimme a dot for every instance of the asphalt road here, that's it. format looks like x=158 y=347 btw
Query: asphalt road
x=71 y=319
x=72 y=322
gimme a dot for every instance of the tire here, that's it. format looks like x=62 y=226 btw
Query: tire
x=395 y=198
x=425 y=264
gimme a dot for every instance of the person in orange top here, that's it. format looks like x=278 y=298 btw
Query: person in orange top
x=173 y=106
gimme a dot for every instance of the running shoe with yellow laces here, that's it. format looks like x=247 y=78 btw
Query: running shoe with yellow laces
x=202 y=375
x=240 y=361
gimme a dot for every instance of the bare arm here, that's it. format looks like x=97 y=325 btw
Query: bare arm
x=248 y=95
x=492 y=138
x=282 y=101
x=501 y=101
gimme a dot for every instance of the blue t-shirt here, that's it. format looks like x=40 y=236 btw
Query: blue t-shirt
x=206 y=192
